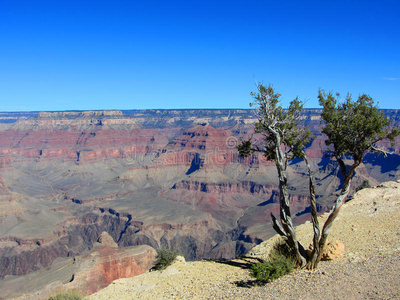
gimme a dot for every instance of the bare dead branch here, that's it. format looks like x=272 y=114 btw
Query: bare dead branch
x=278 y=227
x=385 y=153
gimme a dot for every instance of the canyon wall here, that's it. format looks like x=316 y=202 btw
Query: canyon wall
x=163 y=178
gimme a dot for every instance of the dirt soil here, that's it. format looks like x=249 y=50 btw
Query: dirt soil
x=369 y=227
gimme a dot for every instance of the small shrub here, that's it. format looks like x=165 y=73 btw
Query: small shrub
x=364 y=185
x=281 y=249
x=165 y=257
x=67 y=295
x=268 y=271
x=281 y=262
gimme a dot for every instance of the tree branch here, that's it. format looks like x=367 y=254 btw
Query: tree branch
x=385 y=153
x=278 y=227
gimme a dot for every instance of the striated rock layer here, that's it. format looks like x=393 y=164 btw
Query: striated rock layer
x=87 y=273
x=101 y=267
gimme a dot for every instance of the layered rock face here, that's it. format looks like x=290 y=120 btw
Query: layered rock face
x=163 y=178
x=86 y=273
x=102 y=266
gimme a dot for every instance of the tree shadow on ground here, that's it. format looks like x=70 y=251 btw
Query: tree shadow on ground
x=248 y=283
x=244 y=262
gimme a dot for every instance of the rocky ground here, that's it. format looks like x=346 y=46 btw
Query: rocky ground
x=369 y=227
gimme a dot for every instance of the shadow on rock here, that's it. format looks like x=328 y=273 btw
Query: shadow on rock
x=244 y=262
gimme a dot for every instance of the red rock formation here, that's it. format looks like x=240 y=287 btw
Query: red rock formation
x=101 y=267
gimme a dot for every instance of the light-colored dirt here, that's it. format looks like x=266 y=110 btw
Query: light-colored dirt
x=368 y=225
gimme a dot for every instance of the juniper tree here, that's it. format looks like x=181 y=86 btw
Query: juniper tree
x=352 y=129
x=283 y=140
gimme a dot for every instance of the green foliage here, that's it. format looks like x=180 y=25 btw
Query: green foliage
x=244 y=148
x=353 y=127
x=67 y=295
x=278 y=126
x=165 y=257
x=281 y=261
x=281 y=248
x=364 y=185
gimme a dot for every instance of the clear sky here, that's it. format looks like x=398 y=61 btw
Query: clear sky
x=138 y=54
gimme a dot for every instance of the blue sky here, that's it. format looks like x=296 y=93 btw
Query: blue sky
x=77 y=55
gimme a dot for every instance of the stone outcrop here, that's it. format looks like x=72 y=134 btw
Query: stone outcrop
x=86 y=273
x=101 y=267
x=106 y=240
x=22 y=257
x=225 y=187
x=333 y=250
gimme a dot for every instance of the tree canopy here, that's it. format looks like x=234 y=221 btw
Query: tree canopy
x=353 y=127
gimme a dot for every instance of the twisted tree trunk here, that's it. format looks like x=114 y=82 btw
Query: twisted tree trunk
x=318 y=249
x=285 y=215
x=314 y=217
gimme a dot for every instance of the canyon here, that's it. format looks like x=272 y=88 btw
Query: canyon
x=161 y=178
